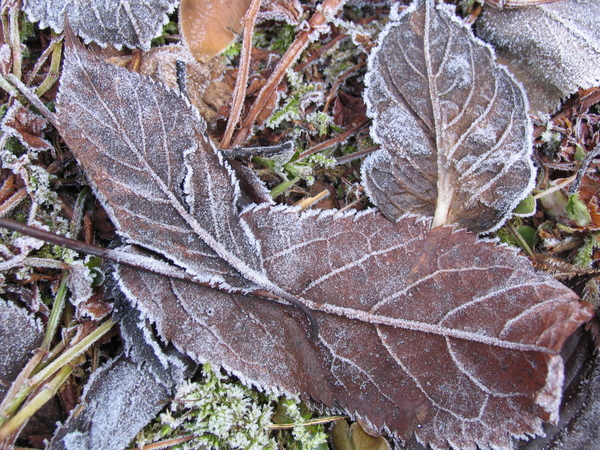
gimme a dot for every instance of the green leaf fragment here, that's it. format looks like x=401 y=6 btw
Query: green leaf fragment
x=528 y=233
x=577 y=211
x=580 y=153
x=526 y=207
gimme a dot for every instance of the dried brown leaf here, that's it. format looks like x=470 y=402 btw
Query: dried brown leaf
x=26 y=126
x=209 y=26
x=453 y=126
x=437 y=348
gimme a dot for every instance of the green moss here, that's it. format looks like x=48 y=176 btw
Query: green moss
x=584 y=257
x=171 y=28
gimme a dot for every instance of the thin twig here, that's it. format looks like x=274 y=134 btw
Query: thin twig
x=520 y=238
x=33 y=99
x=146 y=263
x=339 y=81
x=308 y=423
x=239 y=92
x=316 y=22
x=306 y=203
x=359 y=154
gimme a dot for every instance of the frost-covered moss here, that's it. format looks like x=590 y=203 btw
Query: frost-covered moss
x=222 y=414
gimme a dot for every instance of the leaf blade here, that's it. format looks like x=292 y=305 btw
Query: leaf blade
x=460 y=151
x=141 y=146
x=361 y=362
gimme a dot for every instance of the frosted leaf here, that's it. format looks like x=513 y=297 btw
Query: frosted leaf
x=436 y=349
x=145 y=147
x=119 y=400
x=132 y=23
x=123 y=395
x=26 y=126
x=554 y=49
x=431 y=333
x=20 y=335
x=453 y=126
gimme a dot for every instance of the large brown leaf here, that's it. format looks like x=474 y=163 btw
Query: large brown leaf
x=426 y=332
x=453 y=126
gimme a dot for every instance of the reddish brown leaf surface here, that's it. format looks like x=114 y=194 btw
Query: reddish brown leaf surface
x=426 y=332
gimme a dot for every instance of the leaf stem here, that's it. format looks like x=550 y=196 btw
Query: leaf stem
x=32 y=406
x=54 y=70
x=519 y=237
x=280 y=188
x=558 y=187
x=33 y=99
x=4 y=84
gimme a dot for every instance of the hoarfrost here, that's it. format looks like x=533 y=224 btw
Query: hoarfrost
x=20 y=334
x=553 y=49
x=132 y=23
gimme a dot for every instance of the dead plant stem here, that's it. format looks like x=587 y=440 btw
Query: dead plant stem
x=7 y=409
x=15 y=41
x=241 y=83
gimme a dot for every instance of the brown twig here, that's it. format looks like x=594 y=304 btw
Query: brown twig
x=239 y=92
x=317 y=21
x=339 y=81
